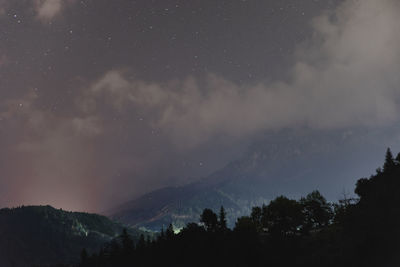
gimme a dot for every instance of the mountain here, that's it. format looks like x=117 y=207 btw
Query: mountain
x=43 y=235
x=291 y=164
x=357 y=232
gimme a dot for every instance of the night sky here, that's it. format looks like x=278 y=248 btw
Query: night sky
x=102 y=101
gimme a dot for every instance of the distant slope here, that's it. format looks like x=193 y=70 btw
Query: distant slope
x=44 y=235
x=177 y=205
x=292 y=165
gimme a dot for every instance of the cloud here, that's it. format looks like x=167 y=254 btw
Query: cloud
x=44 y=10
x=41 y=122
x=47 y=10
x=346 y=75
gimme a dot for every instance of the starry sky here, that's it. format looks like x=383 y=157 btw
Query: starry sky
x=102 y=101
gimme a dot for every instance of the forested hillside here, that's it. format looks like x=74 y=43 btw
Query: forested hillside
x=306 y=232
x=42 y=235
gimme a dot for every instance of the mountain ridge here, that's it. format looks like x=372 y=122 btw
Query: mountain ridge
x=44 y=235
x=296 y=164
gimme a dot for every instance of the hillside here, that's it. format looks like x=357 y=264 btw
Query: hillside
x=295 y=165
x=45 y=235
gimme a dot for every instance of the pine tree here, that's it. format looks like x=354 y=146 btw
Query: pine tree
x=170 y=232
x=389 y=161
x=127 y=242
x=141 y=243
x=222 y=219
x=209 y=219
x=162 y=234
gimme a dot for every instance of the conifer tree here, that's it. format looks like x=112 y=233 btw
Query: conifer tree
x=170 y=232
x=127 y=242
x=389 y=161
x=162 y=234
x=222 y=219
x=209 y=219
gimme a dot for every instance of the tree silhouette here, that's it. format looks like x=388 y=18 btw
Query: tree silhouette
x=127 y=242
x=141 y=243
x=169 y=232
x=283 y=216
x=245 y=225
x=209 y=219
x=389 y=161
x=162 y=234
x=362 y=187
x=222 y=220
x=257 y=218
x=317 y=211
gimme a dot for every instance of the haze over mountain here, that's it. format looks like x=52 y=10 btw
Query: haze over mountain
x=330 y=162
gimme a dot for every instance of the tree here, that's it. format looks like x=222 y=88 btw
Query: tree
x=170 y=232
x=317 y=211
x=127 y=242
x=362 y=187
x=222 y=220
x=192 y=228
x=389 y=161
x=246 y=225
x=162 y=234
x=256 y=217
x=283 y=216
x=141 y=243
x=209 y=219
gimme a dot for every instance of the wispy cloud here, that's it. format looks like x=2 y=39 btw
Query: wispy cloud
x=48 y=9
x=44 y=10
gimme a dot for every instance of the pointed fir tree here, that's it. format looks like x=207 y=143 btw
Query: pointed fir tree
x=389 y=161
x=222 y=219
x=141 y=243
x=162 y=234
x=170 y=232
x=127 y=242
x=209 y=220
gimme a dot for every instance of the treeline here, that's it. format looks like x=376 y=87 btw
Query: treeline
x=286 y=232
